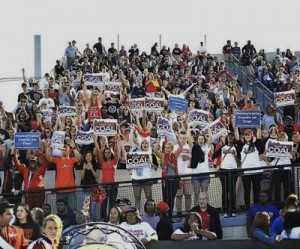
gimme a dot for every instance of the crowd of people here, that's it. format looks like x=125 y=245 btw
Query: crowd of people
x=102 y=84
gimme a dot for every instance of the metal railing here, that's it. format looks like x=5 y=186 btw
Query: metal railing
x=232 y=180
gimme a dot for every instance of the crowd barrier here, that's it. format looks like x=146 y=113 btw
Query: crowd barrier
x=230 y=177
x=223 y=244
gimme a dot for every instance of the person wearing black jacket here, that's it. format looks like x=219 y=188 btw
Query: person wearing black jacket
x=209 y=215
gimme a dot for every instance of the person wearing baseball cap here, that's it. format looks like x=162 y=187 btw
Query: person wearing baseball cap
x=33 y=178
x=164 y=227
x=134 y=224
x=249 y=148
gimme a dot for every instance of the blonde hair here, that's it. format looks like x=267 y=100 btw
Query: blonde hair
x=59 y=224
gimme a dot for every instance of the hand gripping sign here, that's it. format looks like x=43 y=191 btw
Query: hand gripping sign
x=137 y=160
x=93 y=79
x=279 y=149
x=84 y=137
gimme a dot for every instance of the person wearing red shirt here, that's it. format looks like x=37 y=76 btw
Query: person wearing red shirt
x=33 y=178
x=108 y=164
x=65 y=175
x=152 y=85
x=10 y=236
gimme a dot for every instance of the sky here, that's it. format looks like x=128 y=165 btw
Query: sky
x=268 y=25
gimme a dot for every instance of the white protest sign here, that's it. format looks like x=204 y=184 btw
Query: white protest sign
x=284 y=98
x=58 y=139
x=198 y=117
x=93 y=79
x=67 y=111
x=105 y=127
x=84 y=137
x=137 y=160
x=154 y=104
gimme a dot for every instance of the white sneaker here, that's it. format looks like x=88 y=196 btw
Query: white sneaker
x=225 y=215
x=233 y=215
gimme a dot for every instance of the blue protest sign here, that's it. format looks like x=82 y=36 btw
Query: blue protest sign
x=27 y=140
x=178 y=104
x=247 y=119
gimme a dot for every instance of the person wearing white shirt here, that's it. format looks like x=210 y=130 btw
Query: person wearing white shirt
x=142 y=230
x=202 y=49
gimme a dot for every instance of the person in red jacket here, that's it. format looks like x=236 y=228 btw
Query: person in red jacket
x=10 y=236
x=33 y=178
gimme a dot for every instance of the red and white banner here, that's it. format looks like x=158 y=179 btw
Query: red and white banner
x=154 y=104
x=285 y=98
x=84 y=137
x=137 y=160
x=105 y=127
x=93 y=79
x=136 y=105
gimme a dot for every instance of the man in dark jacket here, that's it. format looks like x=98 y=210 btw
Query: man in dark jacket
x=209 y=215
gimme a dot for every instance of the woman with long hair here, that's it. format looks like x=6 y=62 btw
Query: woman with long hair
x=51 y=233
x=260 y=229
x=229 y=158
x=202 y=146
x=24 y=220
x=249 y=148
x=291 y=225
x=192 y=229
x=89 y=173
x=169 y=168
x=108 y=160
x=115 y=216
x=140 y=176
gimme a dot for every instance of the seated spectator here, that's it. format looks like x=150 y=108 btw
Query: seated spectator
x=193 y=229
x=209 y=216
x=37 y=216
x=52 y=229
x=24 y=220
x=63 y=212
x=142 y=230
x=115 y=216
x=262 y=206
x=46 y=209
x=291 y=225
x=260 y=229
x=149 y=216
x=164 y=227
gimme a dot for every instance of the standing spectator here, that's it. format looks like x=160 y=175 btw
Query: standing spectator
x=108 y=160
x=249 y=49
x=164 y=227
x=227 y=50
x=260 y=229
x=202 y=49
x=89 y=173
x=142 y=230
x=169 y=165
x=52 y=229
x=141 y=177
x=10 y=236
x=65 y=176
x=99 y=48
x=199 y=163
x=184 y=160
x=88 y=52
x=58 y=69
x=70 y=53
x=236 y=51
x=24 y=220
x=229 y=160
x=281 y=175
x=209 y=215
x=249 y=149
x=176 y=50
x=262 y=206
x=33 y=178
x=26 y=92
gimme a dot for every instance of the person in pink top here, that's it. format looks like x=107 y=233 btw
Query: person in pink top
x=108 y=164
